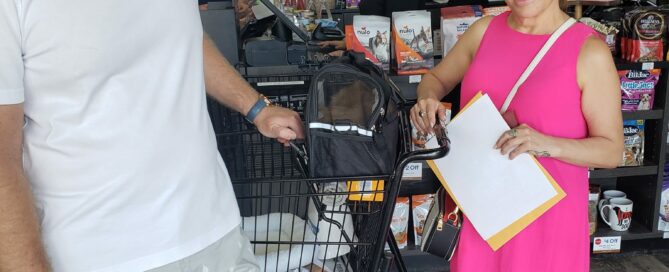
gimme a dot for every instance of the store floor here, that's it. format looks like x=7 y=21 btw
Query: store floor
x=630 y=262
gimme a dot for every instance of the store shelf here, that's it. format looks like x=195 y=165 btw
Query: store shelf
x=644 y=115
x=624 y=172
x=636 y=232
x=627 y=65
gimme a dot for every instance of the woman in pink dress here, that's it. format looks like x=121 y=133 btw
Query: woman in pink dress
x=570 y=115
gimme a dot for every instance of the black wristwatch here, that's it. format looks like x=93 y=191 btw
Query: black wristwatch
x=257 y=107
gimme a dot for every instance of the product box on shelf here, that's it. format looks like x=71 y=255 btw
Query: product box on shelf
x=370 y=35
x=664 y=202
x=634 y=131
x=638 y=88
x=494 y=11
x=593 y=199
x=455 y=21
x=412 y=42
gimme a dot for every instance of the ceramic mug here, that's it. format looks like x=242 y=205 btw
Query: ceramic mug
x=618 y=214
x=608 y=195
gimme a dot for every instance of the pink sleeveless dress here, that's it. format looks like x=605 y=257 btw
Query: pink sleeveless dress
x=550 y=102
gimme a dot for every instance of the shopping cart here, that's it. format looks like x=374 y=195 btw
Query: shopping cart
x=294 y=222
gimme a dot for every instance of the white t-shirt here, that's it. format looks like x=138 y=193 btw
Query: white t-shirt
x=119 y=147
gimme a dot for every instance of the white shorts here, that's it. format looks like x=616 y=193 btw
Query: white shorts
x=233 y=252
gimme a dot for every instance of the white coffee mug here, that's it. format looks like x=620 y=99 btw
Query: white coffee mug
x=608 y=195
x=617 y=214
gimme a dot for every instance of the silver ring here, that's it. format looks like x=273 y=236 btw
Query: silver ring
x=513 y=133
x=421 y=114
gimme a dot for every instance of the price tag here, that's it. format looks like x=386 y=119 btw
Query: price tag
x=415 y=79
x=413 y=171
x=606 y=244
x=647 y=66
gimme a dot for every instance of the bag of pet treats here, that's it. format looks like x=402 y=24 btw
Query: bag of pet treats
x=638 y=89
x=607 y=33
x=644 y=30
x=420 y=205
x=634 y=131
x=412 y=42
x=370 y=35
x=664 y=205
x=455 y=21
x=400 y=222
x=494 y=11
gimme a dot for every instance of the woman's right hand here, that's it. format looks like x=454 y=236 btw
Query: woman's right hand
x=425 y=113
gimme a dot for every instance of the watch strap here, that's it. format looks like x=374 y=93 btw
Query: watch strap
x=256 y=108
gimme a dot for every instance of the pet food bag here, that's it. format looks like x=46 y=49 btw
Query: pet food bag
x=664 y=204
x=638 y=89
x=412 y=42
x=370 y=35
x=643 y=33
x=400 y=222
x=494 y=11
x=455 y=21
x=634 y=131
x=420 y=205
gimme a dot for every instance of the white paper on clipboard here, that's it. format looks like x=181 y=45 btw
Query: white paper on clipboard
x=499 y=196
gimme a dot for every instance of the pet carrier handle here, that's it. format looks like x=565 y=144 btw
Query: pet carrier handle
x=429 y=154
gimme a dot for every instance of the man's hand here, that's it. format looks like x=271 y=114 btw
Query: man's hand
x=280 y=123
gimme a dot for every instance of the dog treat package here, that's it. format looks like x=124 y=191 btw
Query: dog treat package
x=455 y=21
x=607 y=33
x=494 y=11
x=420 y=205
x=610 y=32
x=634 y=143
x=664 y=202
x=370 y=35
x=643 y=33
x=412 y=42
x=638 y=89
x=400 y=222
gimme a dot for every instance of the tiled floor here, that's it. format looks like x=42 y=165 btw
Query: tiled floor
x=630 y=262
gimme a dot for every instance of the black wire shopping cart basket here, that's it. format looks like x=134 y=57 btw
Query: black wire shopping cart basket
x=313 y=224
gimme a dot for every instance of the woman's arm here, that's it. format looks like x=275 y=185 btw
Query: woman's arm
x=444 y=77
x=600 y=102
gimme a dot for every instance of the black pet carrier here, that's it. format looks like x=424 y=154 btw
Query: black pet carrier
x=353 y=118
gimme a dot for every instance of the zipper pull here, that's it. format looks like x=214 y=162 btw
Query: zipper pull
x=440 y=222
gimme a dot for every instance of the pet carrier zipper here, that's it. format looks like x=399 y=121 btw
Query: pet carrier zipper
x=440 y=222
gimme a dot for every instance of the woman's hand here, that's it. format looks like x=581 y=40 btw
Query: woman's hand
x=524 y=139
x=424 y=114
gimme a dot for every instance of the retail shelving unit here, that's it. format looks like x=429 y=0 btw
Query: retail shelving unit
x=643 y=184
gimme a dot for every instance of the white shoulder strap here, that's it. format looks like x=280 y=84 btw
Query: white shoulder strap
x=566 y=25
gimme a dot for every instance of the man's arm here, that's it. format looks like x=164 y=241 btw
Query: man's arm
x=20 y=242
x=225 y=85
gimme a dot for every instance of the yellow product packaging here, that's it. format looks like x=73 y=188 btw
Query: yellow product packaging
x=368 y=190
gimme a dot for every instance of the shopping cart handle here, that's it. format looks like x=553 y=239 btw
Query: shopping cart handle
x=428 y=154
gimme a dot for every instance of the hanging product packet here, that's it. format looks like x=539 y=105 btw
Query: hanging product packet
x=420 y=205
x=455 y=21
x=664 y=203
x=644 y=30
x=412 y=42
x=370 y=35
x=638 y=88
x=399 y=224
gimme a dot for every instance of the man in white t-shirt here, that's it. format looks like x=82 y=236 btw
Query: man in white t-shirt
x=103 y=111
